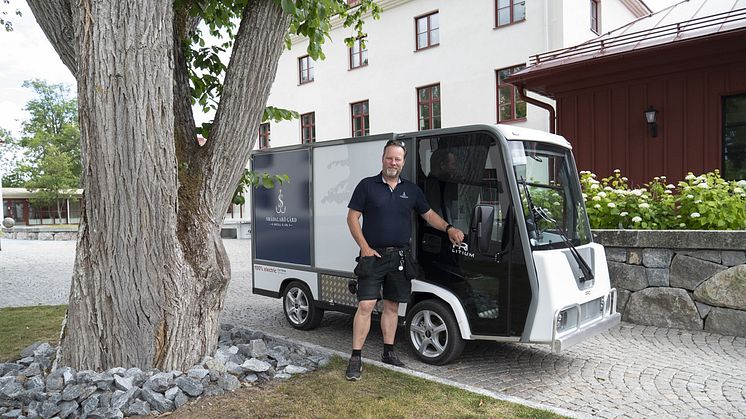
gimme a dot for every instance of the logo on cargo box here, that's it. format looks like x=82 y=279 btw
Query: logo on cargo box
x=281 y=220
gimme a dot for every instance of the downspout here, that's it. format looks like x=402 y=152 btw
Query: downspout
x=543 y=105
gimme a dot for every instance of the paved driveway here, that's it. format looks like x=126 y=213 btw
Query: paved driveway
x=630 y=371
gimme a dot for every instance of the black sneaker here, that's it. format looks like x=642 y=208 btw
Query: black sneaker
x=392 y=359
x=354 y=368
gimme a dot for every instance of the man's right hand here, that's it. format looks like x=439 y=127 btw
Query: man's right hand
x=369 y=251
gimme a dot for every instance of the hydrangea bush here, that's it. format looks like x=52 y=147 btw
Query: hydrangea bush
x=704 y=202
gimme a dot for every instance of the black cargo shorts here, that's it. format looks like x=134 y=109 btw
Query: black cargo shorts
x=374 y=273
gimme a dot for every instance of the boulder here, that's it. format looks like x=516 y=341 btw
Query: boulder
x=657 y=277
x=726 y=322
x=688 y=272
x=663 y=307
x=725 y=289
x=629 y=277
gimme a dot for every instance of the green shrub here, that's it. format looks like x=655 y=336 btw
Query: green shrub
x=704 y=202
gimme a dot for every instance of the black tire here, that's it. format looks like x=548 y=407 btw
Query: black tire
x=432 y=332
x=299 y=307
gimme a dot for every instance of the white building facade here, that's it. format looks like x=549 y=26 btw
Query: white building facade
x=430 y=64
x=426 y=64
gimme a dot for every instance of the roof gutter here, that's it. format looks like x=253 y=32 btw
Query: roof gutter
x=543 y=105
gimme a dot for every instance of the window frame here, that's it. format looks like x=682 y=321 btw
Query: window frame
x=724 y=126
x=364 y=117
x=511 y=7
x=309 y=71
x=312 y=126
x=514 y=97
x=430 y=102
x=362 y=53
x=595 y=20
x=264 y=135
x=429 y=31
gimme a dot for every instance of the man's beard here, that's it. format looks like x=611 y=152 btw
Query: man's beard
x=391 y=172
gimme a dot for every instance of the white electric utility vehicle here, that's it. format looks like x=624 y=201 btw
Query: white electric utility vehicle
x=527 y=271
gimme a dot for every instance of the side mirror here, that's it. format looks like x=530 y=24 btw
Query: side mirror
x=482 y=221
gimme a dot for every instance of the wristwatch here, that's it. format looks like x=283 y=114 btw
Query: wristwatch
x=448 y=227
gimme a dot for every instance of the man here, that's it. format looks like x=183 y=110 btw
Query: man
x=385 y=201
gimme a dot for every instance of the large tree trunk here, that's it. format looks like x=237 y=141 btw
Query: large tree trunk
x=150 y=272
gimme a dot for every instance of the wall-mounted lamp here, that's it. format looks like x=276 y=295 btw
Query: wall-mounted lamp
x=650 y=114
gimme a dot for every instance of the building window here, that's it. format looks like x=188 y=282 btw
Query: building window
x=596 y=16
x=509 y=105
x=428 y=30
x=428 y=107
x=358 y=54
x=308 y=127
x=734 y=137
x=264 y=135
x=305 y=69
x=360 y=124
x=509 y=11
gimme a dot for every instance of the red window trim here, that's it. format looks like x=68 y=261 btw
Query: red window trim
x=512 y=100
x=353 y=116
x=308 y=70
x=512 y=22
x=417 y=92
x=312 y=125
x=360 y=53
x=264 y=136
x=429 y=44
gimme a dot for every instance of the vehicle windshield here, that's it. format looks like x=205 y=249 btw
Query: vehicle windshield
x=548 y=181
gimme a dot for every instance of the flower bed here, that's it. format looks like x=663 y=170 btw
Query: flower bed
x=704 y=202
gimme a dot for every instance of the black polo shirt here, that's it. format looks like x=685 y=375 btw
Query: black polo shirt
x=387 y=213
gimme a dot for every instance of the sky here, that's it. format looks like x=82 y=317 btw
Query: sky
x=27 y=54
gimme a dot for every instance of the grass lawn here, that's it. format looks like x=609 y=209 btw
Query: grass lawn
x=325 y=393
x=22 y=326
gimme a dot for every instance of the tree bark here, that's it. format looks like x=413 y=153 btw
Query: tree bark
x=151 y=272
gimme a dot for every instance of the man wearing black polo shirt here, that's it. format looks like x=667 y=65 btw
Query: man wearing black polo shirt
x=385 y=201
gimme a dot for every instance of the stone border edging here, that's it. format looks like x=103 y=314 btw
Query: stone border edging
x=426 y=376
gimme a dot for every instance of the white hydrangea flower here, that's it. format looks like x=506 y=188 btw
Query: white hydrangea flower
x=624 y=213
x=741 y=183
x=636 y=219
x=596 y=198
x=611 y=205
x=593 y=175
x=585 y=197
x=556 y=204
x=738 y=190
x=594 y=186
x=644 y=205
x=608 y=188
x=670 y=186
x=699 y=201
x=602 y=194
x=682 y=225
x=597 y=206
x=703 y=185
x=690 y=176
x=668 y=191
x=624 y=178
x=637 y=192
x=617 y=171
x=695 y=215
x=690 y=196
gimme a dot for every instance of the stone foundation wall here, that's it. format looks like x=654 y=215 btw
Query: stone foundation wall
x=31 y=234
x=693 y=280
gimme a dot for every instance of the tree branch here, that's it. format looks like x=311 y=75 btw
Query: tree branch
x=56 y=20
x=248 y=79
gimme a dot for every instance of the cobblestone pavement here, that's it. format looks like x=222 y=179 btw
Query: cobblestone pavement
x=630 y=371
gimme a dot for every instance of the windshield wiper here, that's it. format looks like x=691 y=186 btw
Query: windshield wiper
x=536 y=213
x=531 y=210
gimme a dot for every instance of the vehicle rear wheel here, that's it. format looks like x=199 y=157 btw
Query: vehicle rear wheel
x=300 y=308
x=433 y=332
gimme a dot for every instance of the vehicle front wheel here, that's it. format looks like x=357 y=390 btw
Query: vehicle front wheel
x=300 y=308
x=433 y=332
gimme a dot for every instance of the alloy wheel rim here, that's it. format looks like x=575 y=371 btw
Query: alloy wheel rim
x=429 y=334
